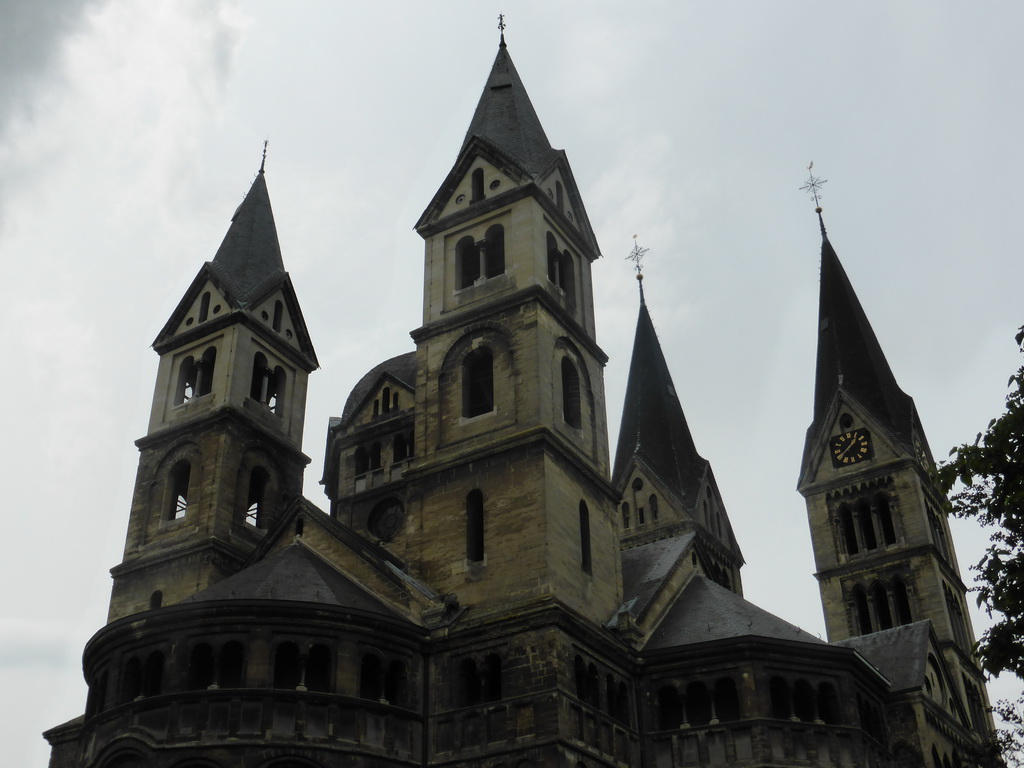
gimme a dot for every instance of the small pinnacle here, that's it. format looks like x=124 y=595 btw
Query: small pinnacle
x=263 y=162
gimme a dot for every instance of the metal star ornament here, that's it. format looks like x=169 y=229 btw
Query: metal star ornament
x=813 y=185
x=636 y=256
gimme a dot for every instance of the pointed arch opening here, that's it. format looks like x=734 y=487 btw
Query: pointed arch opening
x=867 y=525
x=862 y=615
x=585 y=556
x=478 y=382
x=475 y=526
x=477 y=182
x=180 y=478
x=467 y=262
x=885 y=519
x=255 y=507
x=204 y=307
x=901 y=601
x=881 y=600
x=278 y=315
x=848 y=530
x=494 y=250
x=570 y=394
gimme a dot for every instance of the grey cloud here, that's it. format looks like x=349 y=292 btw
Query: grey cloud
x=30 y=37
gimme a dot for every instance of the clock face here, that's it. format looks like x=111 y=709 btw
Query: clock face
x=850 y=447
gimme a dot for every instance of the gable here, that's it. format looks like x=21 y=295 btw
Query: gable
x=479 y=179
x=850 y=440
x=202 y=305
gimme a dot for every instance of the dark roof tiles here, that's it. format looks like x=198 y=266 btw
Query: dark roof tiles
x=505 y=117
x=294 y=574
x=900 y=654
x=705 y=611
x=249 y=261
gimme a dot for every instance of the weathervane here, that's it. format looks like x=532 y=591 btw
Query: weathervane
x=813 y=186
x=636 y=256
x=501 y=26
x=263 y=162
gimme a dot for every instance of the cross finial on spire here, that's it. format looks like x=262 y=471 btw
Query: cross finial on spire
x=637 y=256
x=501 y=27
x=813 y=187
x=263 y=162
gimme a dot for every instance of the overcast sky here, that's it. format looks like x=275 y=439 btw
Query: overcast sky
x=130 y=131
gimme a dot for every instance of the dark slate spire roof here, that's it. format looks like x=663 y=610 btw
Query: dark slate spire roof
x=505 y=117
x=249 y=260
x=705 y=611
x=653 y=427
x=849 y=355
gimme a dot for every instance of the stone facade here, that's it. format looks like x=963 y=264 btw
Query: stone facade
x=488 y=588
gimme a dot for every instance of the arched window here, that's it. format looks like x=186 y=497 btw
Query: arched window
x=567 y=275
x=803 y=701
x=131 y=681
x=558 y=195
x=778 y=689
x=625 y=514
x=593 y=686
x=490 y=678
x=885 y=518
x=881 y=601
x=153 y=674
x=652 y=504
x=467 y=262
x=375 y=456
x=318 y=669
x=200 y=668
x=185 y=389
x=867 y=526
x=370 y=674
x=399 y=450
x=156 y=600
x=862 y=616
x=255 y=508
x=362 y=461
x=585 y=561
x=901 y=602
x=385 y=399
x=670 y=708
x=204 y=307
x=554 y=261
x=475 y=526
x=727 y=700
x=618 y=704
x=478 y=383
x=278 y=315
x=828 y=704
x=849 y=532
x=469 y=683
x=195 y=378
x=478 y=185
x=396 y=683
x=494 y=250
x=180 y=476
x=570 y=393
x=287 y=667
x=581 y=677
x=232 y=664
x=698 y=704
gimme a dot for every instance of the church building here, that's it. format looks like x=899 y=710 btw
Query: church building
x=488 y=587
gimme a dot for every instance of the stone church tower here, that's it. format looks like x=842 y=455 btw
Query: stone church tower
x=488 y=589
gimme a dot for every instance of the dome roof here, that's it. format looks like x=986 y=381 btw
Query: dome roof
x=401 y=368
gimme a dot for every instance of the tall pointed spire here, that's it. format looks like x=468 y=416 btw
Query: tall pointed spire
x=653 y=427
x=850 y=357
x=506 y=117
x=249 y=258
